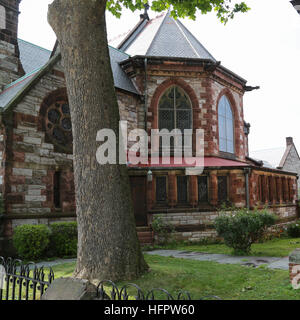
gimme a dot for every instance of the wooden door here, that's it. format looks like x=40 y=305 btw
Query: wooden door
x=139 y=198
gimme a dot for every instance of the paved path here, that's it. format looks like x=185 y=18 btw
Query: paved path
x=270 y=262
x=48 y=264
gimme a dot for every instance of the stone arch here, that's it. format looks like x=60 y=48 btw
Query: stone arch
x=57 y=101
x=236 y=122
x=160 y=91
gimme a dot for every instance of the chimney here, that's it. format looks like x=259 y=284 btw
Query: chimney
x=289 y=141
x=10 y=65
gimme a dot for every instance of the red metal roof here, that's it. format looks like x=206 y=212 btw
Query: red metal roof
x=189 y=162
x=219 y=162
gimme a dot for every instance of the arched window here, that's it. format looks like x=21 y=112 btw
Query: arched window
x=226 y=131
x=175 y=111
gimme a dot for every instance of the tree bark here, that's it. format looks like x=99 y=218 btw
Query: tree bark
x=108 y=246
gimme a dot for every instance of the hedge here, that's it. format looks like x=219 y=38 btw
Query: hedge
x=33 y=242
x=63 y=239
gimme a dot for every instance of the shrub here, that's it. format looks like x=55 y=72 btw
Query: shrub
x=63 y=239
x=31 y=241
x=293 y=230
x=242 y=227
x=163 y=231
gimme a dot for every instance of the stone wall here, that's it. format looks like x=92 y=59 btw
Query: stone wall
x=32 y=161
x=131 y=110
x=272 y=187
x=10 y=67
x=197 y=226
x=204 y=91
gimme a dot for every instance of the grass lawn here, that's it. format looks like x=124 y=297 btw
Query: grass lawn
x=272 y=248
x=203 y=278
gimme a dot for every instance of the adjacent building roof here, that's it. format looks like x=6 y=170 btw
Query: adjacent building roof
x=271 y=158
x=163 y=36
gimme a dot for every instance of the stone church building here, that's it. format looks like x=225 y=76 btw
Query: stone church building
x=164 y=78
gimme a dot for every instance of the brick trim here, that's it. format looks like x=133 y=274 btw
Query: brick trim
x=160 y=91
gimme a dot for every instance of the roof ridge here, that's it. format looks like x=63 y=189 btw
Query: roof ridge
x=189 y=42
x=19 y=39
x=195 y=38
x=162 y=21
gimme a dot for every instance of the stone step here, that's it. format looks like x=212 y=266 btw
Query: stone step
x=145 y=235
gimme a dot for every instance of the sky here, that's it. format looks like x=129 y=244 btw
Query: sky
x=262 y=46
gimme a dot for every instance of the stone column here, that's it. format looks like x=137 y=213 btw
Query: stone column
x=252 y=190
x=213 y=186
x=172 y=189
x=285 y=190
x=272 y=187
x=193 y=190
x=150 y=194
x=265 y=190
x=232 y=186
x=294 y=268
x=279 y=190
x=291 y=190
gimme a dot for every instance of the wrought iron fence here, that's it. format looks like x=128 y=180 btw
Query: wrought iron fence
x=23 y=281
x=108 y=290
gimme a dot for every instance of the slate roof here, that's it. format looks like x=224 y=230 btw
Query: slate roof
x=32 y=56
x=163 y=36
x=160 y=36
x=121 y=80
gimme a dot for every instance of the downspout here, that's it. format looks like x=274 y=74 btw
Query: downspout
x=247 y=172
x=146 y=93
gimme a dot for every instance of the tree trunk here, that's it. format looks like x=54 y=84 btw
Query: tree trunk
x=108 y=246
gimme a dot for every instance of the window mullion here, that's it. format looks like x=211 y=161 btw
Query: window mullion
x=175 y=110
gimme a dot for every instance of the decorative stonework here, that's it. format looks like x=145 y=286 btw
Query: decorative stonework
x=56 y=121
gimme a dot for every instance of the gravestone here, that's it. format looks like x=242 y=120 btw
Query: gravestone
x=70 y=289
x=294 y=268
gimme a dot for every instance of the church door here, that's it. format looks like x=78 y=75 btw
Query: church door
x=139 y=197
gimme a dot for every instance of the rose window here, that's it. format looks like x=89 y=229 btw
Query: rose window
x=58 y=124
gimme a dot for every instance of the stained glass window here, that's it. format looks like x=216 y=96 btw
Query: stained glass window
x=222 y=189
x=226 y=136
x=175 y=110
x=202 y=189
x=182 y=189
x=161 y=189
x=58 y=125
